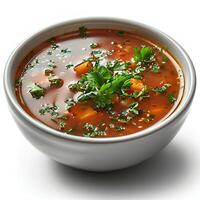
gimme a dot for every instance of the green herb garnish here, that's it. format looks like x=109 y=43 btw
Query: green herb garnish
x=141 y=94
x=144 y=54
x=69 y=131
x=51 y=64
x=83 y=32
x=48 y=71
x=62 y=125
x=120 y=128
x=65 y=51
x=55 y=81
x=162 y=89
x=56 y=117
x=36 y=91
x=155 y=68
x=50 y=109
x=69 y=103
x=165 y=58
x=171 y=98
x=94 y=45
x=101 y=83
x=54 y=46
x=120 y=33
x=140 y=69
x=92 y=131
x=69 y=66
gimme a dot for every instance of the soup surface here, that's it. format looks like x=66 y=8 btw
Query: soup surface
x=98 y=83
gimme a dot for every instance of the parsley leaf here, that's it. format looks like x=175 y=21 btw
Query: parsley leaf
x=36 y=91
x=119 y=128
x=144 y=54
x=50 y=109
x=65 y=51
x=120 y=33
x=83 y=32
x=55 y=81
x=161 y=89
x=69 y=103
x=171 y=98
x=94 y=45
x=155 y=69
x=93 y=131
x=141 y=94
x=69 y=66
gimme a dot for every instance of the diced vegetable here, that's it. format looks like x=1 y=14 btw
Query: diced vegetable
x=83 y=68
x=83 y=112
x=136 y=84
x=133 y=65
x=156 y=111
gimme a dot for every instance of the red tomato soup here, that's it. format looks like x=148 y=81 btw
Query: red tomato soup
x=99 y=83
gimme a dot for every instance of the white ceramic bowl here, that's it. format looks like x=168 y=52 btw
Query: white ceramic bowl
x=100 y=154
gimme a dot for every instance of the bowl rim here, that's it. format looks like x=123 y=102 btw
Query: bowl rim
x=182 y=107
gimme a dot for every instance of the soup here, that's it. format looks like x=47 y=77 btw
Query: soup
x=99 y=83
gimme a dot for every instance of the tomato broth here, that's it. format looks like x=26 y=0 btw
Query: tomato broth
x=99 y=83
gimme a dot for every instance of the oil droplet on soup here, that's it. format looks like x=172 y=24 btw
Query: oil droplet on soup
x=99 y=83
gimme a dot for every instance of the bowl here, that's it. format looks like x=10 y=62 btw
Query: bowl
x=100 y=154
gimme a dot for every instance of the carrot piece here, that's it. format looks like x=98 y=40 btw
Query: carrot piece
x=136 y=84
x=83 y=111
x=83 y=68
x=156 y=111
x=133 y=65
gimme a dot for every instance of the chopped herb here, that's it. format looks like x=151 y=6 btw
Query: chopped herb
x=162 y=89
x=36 y=61
x=69 y=131
x=83 y=32
x=54 y=46
x=100 y=84
x=48 y=71
x=92 y=131
x=120 y=33
x=137 y=76
x=155 y=68
x=119 y=128
x=171 y=98
x=129 y=113
x=69 y=103
x=141 y=94
x=140 y=69
x=165 y=58
x=94 y=45
x=56 y=117
x=69 y=66
x=62 y=125
x=50 y=109
x=51 y=64
x=117 y=65
x=65 y=51
x=36 y=91
x=144 y=54
x=97 y=53
x=55 y=81
x=49 y=53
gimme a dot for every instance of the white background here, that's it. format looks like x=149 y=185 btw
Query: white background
x=26 y=174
